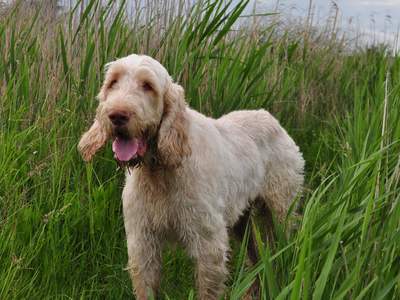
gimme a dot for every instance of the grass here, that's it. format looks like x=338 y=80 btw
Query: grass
x=61 y=228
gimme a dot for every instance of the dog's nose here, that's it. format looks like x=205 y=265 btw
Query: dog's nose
x=119 y=118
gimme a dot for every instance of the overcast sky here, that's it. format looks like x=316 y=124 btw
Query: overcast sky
x=377 y=19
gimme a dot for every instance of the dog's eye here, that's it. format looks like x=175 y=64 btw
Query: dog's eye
x=147 y=87
x=112 y=83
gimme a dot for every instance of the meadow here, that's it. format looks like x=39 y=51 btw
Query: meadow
x=61 y=226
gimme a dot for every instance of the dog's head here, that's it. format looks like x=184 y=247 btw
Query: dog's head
x=139 y=107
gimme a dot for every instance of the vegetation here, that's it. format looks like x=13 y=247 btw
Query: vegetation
x=61 y=227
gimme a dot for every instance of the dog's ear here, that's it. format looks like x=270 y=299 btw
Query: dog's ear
x=173 y=143
x=92 y=140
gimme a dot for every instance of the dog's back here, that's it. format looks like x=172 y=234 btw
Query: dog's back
x=282 y=159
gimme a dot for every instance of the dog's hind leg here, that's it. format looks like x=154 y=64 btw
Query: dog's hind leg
x=239 y=231
x=260 y=212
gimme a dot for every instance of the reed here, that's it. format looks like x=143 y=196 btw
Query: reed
x=61 y=228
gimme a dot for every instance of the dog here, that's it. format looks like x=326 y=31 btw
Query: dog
x=189 y=178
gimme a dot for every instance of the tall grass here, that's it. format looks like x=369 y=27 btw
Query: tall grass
x=61 y=228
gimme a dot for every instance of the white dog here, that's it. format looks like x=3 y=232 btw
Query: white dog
x=190 y=177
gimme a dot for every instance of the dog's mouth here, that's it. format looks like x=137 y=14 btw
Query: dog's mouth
x=128 y=150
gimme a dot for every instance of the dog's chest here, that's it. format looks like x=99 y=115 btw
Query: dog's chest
x=156 y=203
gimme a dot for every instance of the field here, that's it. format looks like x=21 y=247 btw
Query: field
x=61 y=227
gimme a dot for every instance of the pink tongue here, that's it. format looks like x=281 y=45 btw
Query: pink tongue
x=125 y=150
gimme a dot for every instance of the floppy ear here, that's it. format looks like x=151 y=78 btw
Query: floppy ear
x=173 y=143
x=92 y=140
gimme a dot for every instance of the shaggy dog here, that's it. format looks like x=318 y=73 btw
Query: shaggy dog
x=189 y=178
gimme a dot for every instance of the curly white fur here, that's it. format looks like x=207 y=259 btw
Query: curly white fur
x=209 y=172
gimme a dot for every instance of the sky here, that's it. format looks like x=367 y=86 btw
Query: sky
x=377 y=20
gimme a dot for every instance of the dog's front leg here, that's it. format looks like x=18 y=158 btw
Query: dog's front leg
x=210 y=252
x=144 y=266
